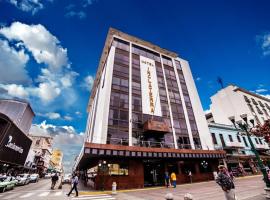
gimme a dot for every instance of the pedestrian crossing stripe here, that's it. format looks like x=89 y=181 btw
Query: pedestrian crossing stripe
x=93 y=197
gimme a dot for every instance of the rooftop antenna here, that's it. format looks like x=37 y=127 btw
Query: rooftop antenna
x=220 y=81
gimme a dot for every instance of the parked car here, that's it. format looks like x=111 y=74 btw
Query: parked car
x=66 y=178
x=34 y=178
x=48 y=175
x=23 y=179
x=7 y=184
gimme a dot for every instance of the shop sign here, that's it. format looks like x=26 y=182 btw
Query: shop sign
x=13 y=146
x=149 y=86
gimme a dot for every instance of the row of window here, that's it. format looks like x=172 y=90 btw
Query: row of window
x=214 y=139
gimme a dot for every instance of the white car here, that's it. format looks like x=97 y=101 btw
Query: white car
x=48 y=175
x=23 y=179
x=66 y=178
x=34 y=178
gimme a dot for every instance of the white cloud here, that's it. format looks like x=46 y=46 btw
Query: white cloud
x=12 y=64
x=207 y=111
x=15 y=90
x=198 y=78
x=65 y=138
x=32 y=6
x=261 y=90
x=54 y=79
x=264 y=41
x=79 y=14
x=68 y=118
x=88 y=82
x=40 y=42
x=50 y=115
x=87 y=3
x=265 y=95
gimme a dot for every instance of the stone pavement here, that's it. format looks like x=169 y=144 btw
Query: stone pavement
x=247 y=188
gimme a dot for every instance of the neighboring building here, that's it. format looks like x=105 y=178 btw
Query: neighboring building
x=239 y=157
x=15 y=121
x=42 y=146
x=56 y=160
x=236 y=101
x=145 y=117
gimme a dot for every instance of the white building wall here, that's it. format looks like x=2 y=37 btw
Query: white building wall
x=103 y=101
x=205 y=137
x=227 y=103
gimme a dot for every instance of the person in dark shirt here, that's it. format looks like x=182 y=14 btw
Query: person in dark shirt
x=54 y=180
x=225 y=181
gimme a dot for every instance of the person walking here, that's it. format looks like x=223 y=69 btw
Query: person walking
x=225 y=181
x=74 y=183
x=167 y=179
x=173 y=177
x=54 y=180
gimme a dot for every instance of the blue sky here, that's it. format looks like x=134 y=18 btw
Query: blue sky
x=49 y=50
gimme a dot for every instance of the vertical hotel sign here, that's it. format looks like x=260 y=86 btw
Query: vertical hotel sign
x=149 y=87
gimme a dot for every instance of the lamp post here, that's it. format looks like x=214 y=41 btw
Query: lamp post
x=103 y=167
x=247 y=129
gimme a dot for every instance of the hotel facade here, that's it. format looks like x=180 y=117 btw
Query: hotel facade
x=145 y=118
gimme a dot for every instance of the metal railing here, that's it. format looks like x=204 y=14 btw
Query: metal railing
x=150 y=144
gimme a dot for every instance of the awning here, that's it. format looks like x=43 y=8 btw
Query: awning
x=93 y=152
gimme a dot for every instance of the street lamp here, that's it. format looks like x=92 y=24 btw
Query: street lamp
x=103 y=167
x=247 y=129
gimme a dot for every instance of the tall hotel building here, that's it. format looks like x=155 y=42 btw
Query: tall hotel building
x=145 y=118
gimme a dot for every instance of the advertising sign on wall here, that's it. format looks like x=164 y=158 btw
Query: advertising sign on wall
x=14 y=144
x=149 y=86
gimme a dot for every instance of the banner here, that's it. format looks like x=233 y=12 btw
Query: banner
x=149 y=86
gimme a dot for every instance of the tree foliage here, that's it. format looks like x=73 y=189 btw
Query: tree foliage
x=263 y=130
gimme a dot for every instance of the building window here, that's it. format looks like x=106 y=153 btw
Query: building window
x=245 y=141
x=254 y=102
x=238 y=138
x=246 y=99
x=214 y=139
x=261 y=104
x=38 y=142
x=260 y=140
x=230 y=138
x=118 y=169
x=250 y=107
x=256 y=140
x=259 y=110
x=222 y=140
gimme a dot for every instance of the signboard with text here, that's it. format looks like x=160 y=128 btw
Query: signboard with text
x=149 y=86
x=14 y=144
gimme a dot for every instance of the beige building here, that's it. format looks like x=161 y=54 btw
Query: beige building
x=42 y=146
x=56 y=160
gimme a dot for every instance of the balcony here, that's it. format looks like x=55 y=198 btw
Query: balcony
x=233 y=145
x=218 y=147
x=261 y=146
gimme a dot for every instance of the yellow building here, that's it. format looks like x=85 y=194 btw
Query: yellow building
x=56 y=159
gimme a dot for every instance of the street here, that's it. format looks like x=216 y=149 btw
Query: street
x=248 y=188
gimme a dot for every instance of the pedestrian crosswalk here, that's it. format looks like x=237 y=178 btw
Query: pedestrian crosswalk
x=50 y=194
x=30 y=194
x=94 y=197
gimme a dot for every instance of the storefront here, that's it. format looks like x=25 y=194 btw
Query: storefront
x=14 y=146
x=138 y=167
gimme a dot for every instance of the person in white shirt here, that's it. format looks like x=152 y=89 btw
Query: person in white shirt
x=74 y=182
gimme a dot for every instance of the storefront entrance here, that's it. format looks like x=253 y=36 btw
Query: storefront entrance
x=153 y=173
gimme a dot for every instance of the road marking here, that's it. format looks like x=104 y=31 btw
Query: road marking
x=58 y=193
x=43 y=194
x=88 y=198
x=102 y=196
x=27 y=195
